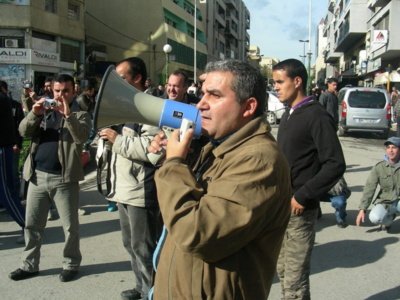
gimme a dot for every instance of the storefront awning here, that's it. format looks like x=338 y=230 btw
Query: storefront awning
x=382 y=78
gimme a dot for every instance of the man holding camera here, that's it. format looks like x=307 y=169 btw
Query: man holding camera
x=53 y=168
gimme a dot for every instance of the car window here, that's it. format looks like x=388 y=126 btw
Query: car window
x=367 y=99
x=341 y=95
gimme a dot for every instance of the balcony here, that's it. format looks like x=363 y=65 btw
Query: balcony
x=331 y=57
x=352 y=29
x=331 y=6
x=377 y=3
x=231 y=4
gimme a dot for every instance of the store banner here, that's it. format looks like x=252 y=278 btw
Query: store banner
x=29 y=56
x=16 y=2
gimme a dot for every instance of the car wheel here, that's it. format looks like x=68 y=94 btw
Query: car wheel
x=341 y=131
x=271 y=117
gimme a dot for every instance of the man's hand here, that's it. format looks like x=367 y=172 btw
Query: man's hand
x=297 y=208
x=63 y=107
x=176 y=148
x=108 y=134
x=360 y=217
x=158 y=143
x=38 y=107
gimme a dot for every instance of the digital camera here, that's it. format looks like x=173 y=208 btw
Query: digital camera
x=49 y=103
x=27 y=84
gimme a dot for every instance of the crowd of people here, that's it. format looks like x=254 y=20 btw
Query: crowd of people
x=209 y=218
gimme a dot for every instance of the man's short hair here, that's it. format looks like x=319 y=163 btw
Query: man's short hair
x=65 y=78
x=294 y=68
x=247 y=81
x=331 y=80
x=136 y=66
x=184 y=74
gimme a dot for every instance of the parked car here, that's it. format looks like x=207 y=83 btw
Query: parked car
x=275 y=109
x=364 y=109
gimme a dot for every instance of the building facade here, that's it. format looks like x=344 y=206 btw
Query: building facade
x=362 y=42
x=39 y=39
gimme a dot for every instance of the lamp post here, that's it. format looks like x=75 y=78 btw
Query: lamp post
x=195 y=43
x=167 y=50
x=304 y=50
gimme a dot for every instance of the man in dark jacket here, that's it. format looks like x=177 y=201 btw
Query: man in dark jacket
x=307 y=137
x=330 y=101
x=8 y=145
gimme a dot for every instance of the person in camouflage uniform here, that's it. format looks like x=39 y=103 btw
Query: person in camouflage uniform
x=386 y=174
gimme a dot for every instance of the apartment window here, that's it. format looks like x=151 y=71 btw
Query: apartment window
x=383 y=24
x=170 y=22
x=69 y=52
x=50 y=6
x=73 y=11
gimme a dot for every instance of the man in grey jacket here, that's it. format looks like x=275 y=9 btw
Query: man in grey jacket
x=386 y=174
x=133 y=186
x=53 y=168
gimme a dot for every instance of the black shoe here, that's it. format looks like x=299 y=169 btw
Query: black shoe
x=20 y=274
x=68 y=275
x=342 y=224
x=131 y=295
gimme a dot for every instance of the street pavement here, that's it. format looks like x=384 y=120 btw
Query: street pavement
x=352 y=263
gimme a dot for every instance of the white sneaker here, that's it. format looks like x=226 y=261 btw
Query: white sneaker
x=82 y=212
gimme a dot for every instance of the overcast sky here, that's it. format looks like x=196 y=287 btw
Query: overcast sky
x=276 y=26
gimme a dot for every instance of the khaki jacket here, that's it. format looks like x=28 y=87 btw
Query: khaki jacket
x=74 y=133
x=225 y=232
x=388 y=178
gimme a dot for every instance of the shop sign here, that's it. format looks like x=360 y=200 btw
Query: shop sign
x=45 y=58
x=14 y=56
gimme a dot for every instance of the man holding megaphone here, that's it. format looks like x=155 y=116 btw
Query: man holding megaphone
x=133 y=186
x=227 y=216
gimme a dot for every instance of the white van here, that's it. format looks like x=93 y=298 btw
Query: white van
x=364 y=109
x=275 y=109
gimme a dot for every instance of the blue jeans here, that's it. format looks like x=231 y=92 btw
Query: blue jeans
x=339 y=203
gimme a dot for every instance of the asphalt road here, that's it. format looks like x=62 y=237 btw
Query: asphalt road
x=351 y=263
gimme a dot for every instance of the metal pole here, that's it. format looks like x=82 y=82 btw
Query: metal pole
x=309 y=48
x=166 y=66
x=195 y=43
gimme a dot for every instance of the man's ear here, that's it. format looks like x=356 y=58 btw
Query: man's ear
x=250 y=107
x=137 y=79
x=298 y=82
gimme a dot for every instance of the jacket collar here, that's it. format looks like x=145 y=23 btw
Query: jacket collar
x=257 y=126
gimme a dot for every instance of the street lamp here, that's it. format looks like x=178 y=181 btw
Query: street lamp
x=167 y=50
x=304 y=50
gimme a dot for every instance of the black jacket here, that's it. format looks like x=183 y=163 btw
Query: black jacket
x=308 y=140
x=7 y=131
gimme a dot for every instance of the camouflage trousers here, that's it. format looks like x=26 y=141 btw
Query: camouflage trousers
x=295 y=256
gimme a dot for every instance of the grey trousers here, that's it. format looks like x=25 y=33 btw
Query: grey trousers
x=295 y=256
x=43 y=189
x=140 y=228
